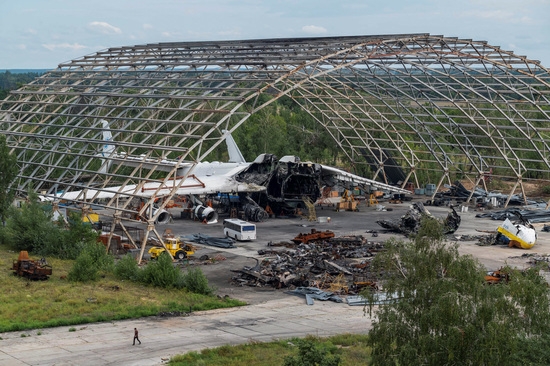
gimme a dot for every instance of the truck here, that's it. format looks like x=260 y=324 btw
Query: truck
x=179 y=250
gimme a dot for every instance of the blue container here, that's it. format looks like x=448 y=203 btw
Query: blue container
x=430 y=189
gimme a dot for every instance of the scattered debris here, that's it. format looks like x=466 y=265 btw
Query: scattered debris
x=220 y=242
x=521 y=235
x=497 y=276
x=534 y=216
x=481 y=197
x=410 y=222
x=340 y=265
x=311 y=293
x=312 y=236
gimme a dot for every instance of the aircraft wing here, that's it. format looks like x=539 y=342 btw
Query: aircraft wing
x=330 y=175
x=193 y=185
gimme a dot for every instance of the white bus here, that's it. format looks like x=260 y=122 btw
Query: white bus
x=239 y=229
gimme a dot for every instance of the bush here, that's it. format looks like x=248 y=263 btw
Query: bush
x=195 y=281
x=84 y=269
x=127 y=268
x=103 y=260
x=90 y=262
x=312 y=354
x=162 y=273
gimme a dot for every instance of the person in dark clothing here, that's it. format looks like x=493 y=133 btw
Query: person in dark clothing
x=136 y=337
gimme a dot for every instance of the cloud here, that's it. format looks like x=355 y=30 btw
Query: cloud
x=57 y=46
x=147 y=26
x=103 y=27
x=313 y=29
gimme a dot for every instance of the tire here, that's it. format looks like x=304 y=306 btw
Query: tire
x=181 y=255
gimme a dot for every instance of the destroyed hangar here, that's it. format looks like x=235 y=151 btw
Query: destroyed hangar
x=398 y=104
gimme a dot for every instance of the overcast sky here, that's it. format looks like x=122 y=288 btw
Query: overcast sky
x=40 y=34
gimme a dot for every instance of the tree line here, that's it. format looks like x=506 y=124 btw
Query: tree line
x=12 y=80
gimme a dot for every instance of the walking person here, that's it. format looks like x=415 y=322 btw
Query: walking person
x=136 y=337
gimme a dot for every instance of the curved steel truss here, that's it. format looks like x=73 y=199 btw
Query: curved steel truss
x=453 y=106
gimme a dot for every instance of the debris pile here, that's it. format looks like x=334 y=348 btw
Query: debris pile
x=220 y=242
x=482 y=198
x=534 y=216
x=409 y=223
x=314 y=235
x=340 y=265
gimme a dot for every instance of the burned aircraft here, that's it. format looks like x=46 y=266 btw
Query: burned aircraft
x=409 y=223
x=289 y=181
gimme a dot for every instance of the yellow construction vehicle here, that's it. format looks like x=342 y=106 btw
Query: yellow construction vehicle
x=176 y=247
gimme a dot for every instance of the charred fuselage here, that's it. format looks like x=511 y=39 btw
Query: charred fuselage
x=287 y=181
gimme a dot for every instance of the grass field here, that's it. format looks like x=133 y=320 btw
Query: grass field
x=55 y=302
x=351 y=348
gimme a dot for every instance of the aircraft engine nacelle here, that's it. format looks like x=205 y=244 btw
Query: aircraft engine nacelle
x=163 y=217
x=206 y=213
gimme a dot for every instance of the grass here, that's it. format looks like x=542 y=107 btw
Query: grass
x=352 y=348
x=57 y=302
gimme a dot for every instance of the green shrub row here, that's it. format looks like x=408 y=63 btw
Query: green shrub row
x=163 y=273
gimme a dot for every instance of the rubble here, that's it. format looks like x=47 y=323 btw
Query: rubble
x=534 y=216
x=481 y=197
x=340 y=265
x=312 y=236
x=311 y=293
x=410 y=222
x=199 y=238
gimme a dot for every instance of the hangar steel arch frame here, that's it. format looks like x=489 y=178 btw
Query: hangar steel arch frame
x=442 y=104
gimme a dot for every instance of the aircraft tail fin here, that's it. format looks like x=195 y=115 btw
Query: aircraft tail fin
x=108 y=149
x=235 y=155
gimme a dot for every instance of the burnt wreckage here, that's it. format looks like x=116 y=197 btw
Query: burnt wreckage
x=287 y=180
x=410 y=221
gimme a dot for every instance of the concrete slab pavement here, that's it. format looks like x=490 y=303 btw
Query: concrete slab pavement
x=111 y=343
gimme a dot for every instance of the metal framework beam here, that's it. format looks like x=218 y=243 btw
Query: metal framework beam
x=446 y=105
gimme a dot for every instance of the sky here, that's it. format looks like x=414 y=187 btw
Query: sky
x=41 y=34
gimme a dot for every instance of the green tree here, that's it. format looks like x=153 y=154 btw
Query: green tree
x=30 y=227
x=442 y=312
x=8 y=172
